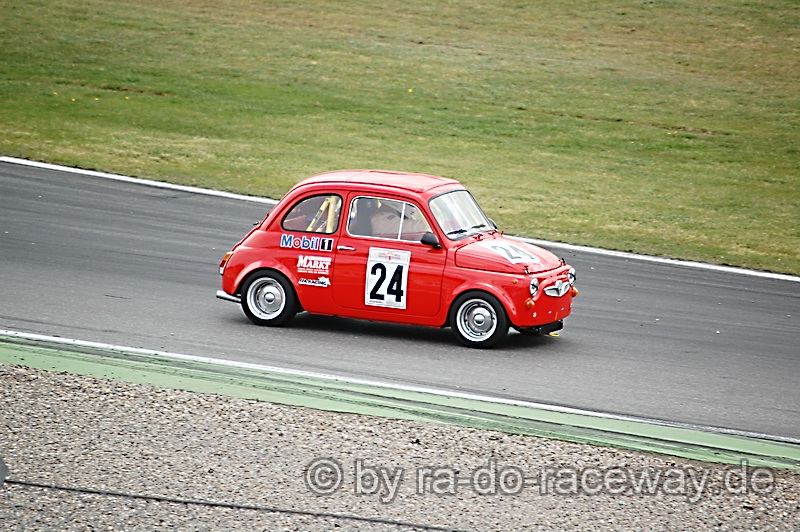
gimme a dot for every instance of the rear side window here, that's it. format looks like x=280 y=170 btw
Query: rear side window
x=315 y=214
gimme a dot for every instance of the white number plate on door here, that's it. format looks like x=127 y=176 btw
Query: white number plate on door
x=387 y=278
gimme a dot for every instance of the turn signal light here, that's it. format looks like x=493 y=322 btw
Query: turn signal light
x=575 y=291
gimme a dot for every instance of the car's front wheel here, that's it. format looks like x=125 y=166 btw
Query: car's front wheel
x=478 y=319
x=268 y=298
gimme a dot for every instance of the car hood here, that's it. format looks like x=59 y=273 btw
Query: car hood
x=498 y=253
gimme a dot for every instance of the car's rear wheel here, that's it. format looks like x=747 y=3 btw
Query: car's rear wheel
x=268 y=298
x=478 y=319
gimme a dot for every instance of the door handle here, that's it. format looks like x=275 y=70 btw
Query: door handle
x=345 y=248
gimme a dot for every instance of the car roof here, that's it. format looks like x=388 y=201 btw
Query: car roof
x=418 y=183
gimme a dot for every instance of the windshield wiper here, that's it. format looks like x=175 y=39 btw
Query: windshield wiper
x=462 y=231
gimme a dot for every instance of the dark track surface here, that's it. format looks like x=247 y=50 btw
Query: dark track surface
x=99 y=260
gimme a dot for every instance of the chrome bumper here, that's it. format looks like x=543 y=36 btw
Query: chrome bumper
x=227 y=297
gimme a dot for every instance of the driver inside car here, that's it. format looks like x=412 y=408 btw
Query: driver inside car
x=396 y=219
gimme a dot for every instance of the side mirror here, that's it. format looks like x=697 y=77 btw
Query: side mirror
x=429 y=239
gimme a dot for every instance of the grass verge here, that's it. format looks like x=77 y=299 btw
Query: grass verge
x=666 y=128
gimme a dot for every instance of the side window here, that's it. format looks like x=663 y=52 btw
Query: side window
x=386 y=218
x=414 y=224
x=316 y=214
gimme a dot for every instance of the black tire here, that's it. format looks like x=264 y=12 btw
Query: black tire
x=478 y=319
x=268 y=299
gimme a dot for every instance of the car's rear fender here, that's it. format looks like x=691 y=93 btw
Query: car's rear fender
x=256 y=265
x=266 y=268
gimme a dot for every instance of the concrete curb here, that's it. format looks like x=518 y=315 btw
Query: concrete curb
x=340 y=395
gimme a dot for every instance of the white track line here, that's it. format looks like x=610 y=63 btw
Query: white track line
x=543 y=243
x=662 y=260
x=439 y=392
x=138 y=181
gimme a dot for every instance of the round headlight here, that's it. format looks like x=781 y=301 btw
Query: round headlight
x=571 y=276
x=534 y=287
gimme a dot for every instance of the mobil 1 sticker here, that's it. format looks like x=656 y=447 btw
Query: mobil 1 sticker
x=387 y=278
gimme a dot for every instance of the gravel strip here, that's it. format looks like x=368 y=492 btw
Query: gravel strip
x=135 y=457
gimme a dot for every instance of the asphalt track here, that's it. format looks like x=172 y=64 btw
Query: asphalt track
x=126 y=264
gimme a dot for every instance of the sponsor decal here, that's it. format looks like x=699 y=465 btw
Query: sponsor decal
x=312 y=243
x=313 y=264
x=322 y=281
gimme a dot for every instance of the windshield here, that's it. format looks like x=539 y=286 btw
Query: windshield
x=459 y=215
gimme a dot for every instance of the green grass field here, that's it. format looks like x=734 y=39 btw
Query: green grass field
x=662 y=127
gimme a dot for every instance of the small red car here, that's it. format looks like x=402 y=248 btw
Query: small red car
x=395 y=247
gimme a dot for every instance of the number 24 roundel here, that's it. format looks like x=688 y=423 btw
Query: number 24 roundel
x=387 y=278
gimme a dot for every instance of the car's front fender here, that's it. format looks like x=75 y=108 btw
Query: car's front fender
x=508 y=289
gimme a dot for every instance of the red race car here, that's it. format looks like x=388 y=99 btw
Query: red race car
x=395 y=247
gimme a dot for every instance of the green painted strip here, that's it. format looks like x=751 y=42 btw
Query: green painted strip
x=344 y=396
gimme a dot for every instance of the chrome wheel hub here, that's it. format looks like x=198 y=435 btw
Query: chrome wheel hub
x=266 y=298
x=476 y=320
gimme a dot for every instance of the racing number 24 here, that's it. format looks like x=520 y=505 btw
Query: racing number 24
x=395 y=287
x=387 y=278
